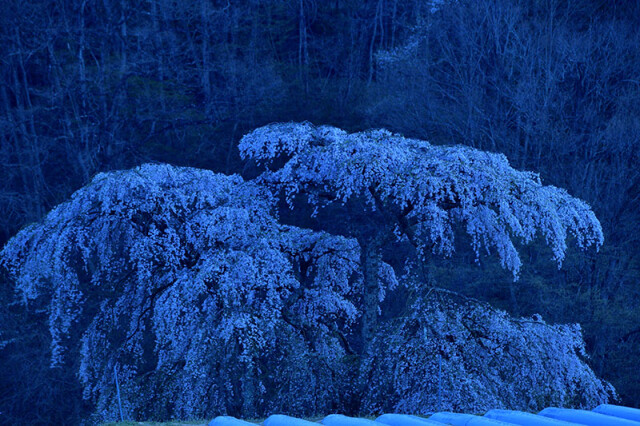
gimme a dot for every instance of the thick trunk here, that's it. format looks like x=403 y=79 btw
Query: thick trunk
x=370 y=258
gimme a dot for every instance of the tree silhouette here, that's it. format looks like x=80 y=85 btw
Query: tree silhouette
x=185 y=284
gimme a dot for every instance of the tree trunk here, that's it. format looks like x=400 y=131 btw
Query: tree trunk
x=370 y=258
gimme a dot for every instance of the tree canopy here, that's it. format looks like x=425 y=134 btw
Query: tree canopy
x=427 y=188
x=423 y=191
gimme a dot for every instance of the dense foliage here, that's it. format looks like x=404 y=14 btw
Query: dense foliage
x=183 y=281
x=456 y=354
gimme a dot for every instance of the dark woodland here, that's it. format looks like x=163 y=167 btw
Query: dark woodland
x=97 y=86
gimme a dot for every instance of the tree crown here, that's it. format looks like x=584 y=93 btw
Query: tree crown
x=427 y=188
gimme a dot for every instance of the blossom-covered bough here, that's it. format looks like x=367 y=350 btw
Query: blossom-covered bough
x=183 y=280
x=453 y=353
x=428 y=188
x=424 y=189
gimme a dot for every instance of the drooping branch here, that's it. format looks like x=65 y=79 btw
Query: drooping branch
x=437 y=186
x=190 y=280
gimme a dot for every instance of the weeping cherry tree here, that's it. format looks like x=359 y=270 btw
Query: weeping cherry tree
x=185 y=285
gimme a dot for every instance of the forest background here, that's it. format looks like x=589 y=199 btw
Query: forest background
x=91 y=86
